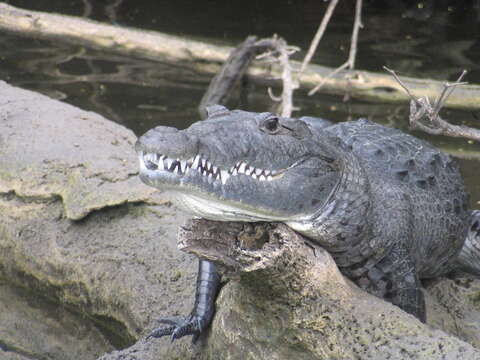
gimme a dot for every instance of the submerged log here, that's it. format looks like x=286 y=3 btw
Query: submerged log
x=288 y=300
x=208 y=57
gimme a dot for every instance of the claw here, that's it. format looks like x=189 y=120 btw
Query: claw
x=179 y=327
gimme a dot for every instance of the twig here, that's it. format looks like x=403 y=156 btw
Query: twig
x=87 y=8
x=350 y=63
x=421 y=108
x=112 y=9
x=278 y=50
x=319 y=34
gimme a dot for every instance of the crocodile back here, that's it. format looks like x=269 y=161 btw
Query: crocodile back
x=417 y=193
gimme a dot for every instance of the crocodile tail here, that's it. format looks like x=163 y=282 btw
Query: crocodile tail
x=469 y=258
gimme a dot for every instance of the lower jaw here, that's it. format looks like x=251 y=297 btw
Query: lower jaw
x=212 y=210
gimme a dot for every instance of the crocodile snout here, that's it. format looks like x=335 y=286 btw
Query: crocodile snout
x=168 y=141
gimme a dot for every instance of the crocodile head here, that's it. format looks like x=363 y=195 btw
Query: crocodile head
x=241 y=166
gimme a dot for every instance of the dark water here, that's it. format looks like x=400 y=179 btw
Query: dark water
x=433 y=39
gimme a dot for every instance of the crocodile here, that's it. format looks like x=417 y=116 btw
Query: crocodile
x=390 y=208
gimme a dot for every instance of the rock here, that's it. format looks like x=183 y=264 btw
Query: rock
x=36 y=327
x=50 y=149
x=78 y=227
x=454 y=306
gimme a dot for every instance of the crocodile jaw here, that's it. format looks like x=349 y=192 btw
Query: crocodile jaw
x=154 y=168
x=216 y=210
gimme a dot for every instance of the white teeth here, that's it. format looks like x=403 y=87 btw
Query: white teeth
x=206 y=168
x=183 y=165
x=151 y=157
x=224 y=175
x=196 y=161
x=241 y=168
x=160 y=165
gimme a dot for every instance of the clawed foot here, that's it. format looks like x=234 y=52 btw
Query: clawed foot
x=179 y=326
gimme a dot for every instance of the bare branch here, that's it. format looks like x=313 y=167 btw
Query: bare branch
x=356 y=27
x=403 y=85
x=328 y=77
x=446 y=92
x=350 y=63
x=421 y=110
x=273 y=96
x=319 y=34
x=279 y=51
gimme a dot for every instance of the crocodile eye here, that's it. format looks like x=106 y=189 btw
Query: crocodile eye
x=271 y=125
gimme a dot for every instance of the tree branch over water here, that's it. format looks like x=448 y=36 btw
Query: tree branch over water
x=350 y=63
x=425 y=116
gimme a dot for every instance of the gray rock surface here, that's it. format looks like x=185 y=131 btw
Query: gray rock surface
x=35 y=327
x=77 y=226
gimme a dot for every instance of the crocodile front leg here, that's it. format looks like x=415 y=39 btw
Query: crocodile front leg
x=208 y=281
x=395 y=278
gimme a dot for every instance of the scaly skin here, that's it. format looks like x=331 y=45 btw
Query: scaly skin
x=390 y=208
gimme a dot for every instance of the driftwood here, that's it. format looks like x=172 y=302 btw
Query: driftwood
x=289 y=301
x=207 y=57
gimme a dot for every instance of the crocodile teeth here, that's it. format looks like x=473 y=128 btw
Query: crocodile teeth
x=241 y=168
x=196 y=161
x=224 y=175
x=183 y=166
x=160 y=164
x=168 y=163
x=173 y=165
